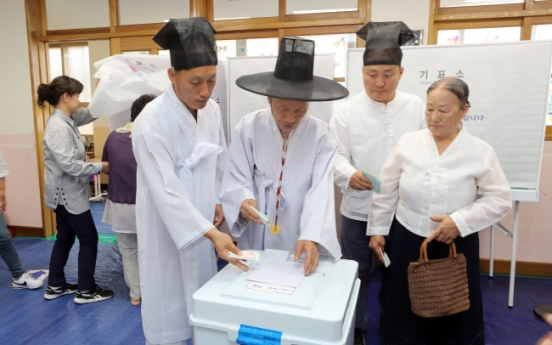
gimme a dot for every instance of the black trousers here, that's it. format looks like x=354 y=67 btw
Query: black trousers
x=398 y=323
x=354 y=246
x=70 y=225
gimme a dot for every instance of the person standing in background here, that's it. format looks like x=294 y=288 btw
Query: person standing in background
x=67 y=191
x=120 y=208
x=367 y=127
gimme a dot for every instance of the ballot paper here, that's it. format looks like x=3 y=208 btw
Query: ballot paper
x=278 y=271
x=376 y=182
x=386 y=260
x=246 y=255
x=264 y=219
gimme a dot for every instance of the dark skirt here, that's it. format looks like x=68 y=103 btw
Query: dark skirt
x=400 y=326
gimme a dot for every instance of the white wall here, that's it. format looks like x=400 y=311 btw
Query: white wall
x=302 y=5
x=16 y=116
x=17 y=133
x=73 y=14
x=142 y=11
x=415 y=13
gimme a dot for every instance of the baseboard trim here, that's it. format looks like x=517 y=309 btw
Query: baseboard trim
x=26 y=231
x=523 y=268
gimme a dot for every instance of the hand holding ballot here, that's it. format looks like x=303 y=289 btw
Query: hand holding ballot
x=249 y=213
x=374 y=180
x=264 y=219
x=360 y=182
x=223 y=245
x=377 y=244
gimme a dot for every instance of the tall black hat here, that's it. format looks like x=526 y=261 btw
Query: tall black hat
x=191 y=42
x=384 y=41
x=293 y=77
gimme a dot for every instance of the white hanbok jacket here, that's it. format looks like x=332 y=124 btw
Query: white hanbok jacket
x=307 y=205
x=366 y=131
x=180 y=165
x=465 y=182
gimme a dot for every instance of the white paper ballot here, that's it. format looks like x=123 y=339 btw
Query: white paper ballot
x=246 y=255
x=386 y=260
x=278 y=271
x=264 y=219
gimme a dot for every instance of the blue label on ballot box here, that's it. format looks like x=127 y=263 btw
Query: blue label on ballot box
x=249 y=335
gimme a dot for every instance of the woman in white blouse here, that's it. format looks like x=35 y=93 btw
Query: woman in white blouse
x=442 y=184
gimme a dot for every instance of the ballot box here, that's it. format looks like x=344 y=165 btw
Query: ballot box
x=230 y=309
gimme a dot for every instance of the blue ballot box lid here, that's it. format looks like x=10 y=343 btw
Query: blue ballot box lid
x=320 y=310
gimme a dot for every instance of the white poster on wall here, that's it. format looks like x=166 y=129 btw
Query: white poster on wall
x=508 y=94
x=242 y=102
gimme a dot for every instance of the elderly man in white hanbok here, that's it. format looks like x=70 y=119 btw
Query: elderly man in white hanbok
x=281 y=162
x=180 y=149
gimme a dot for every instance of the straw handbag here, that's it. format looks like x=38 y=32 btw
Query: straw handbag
x=438 y=287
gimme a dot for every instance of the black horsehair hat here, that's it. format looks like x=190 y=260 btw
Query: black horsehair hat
x=293 y=77
x=191 y=42
x=384 y=41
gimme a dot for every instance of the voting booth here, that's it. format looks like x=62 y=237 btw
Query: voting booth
x=231 y=309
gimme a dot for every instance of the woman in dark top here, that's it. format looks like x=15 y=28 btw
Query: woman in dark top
x=121 y=199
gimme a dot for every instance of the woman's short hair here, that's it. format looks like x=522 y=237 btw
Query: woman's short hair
x=139 y=104
x=456 y=86
x=52 y=92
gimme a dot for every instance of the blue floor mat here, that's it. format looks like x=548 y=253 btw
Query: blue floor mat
x=503 y=325
x=28 y=319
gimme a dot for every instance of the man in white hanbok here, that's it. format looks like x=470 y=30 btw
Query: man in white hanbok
x=281 y=161
x=367 y=127
x=180 y=149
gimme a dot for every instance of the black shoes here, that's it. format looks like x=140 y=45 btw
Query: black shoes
x=52 y=293
x=360 y=337
x=96 y=295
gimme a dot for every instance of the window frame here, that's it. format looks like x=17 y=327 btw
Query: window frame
x=63 y=50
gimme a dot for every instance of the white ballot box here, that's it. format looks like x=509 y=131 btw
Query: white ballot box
x=230 y=309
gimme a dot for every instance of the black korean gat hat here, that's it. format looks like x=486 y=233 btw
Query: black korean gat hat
x=191 y=42
x=293 y=77
x=384 y=41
